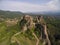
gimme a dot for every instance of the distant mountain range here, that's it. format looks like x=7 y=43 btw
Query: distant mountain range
x=46 y=13
x=12 y=14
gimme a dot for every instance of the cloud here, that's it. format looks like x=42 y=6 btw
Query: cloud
x=18 y=6
x=53 y=5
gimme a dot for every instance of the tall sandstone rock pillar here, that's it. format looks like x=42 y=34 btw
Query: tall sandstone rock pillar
x=44 y=33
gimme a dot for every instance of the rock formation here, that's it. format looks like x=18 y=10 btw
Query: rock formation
x=27 y=23
x=43 y=30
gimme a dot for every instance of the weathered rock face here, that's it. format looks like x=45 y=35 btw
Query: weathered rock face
x=41 y=25
x=40 y=20
x=26 y=22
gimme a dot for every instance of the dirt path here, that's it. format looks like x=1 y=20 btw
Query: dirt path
x=37 y=43
x=14 y=39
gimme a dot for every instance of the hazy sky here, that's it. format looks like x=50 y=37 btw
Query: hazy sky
x=30 y=5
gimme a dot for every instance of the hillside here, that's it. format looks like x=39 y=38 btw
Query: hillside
x=30 y=30
x=10 y=14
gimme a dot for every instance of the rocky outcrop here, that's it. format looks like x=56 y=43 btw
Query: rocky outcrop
x=27 y=23
x=11 y=22
x=43 y=30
